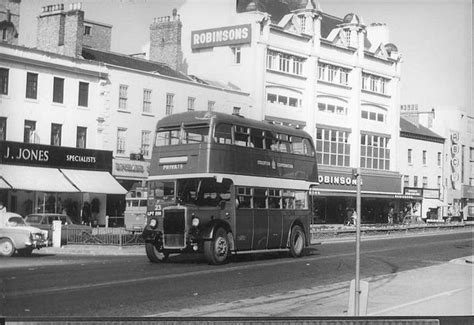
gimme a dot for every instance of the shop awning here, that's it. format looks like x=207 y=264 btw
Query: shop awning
x=91 y=181
x=39 y=179
x=4 y=184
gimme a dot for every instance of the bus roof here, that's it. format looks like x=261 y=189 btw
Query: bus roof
x=203 y=117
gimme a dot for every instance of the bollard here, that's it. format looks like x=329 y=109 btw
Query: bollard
x=56 y=233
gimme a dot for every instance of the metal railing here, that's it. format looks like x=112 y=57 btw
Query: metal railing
x=104 y=236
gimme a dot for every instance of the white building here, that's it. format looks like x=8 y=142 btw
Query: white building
x=421 y=162
x=67 y=104
x=337 y=78
x=457 y=127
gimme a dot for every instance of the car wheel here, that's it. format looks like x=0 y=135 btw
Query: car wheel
x=155 y=255
x=216 y=250
x=297 y=241
x=6 y=247
x=25 y=251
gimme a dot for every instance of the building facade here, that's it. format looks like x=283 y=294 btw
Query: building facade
x=421 y=164
x=66 y=95
x=456 y=126
x=337 y=78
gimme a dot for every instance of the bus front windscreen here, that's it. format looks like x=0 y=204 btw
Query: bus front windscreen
x=162 y=191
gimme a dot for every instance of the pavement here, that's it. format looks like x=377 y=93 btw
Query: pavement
x=444 y=289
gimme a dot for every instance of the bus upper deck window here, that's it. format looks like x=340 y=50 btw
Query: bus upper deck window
x=223 y=134
x=196 y=134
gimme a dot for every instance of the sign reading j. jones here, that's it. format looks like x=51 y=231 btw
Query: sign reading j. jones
x=230 y=35
x=31 y=154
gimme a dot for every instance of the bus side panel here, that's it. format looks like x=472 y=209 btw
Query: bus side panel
x=260 y=226
x=243 y=229
x=275 y=218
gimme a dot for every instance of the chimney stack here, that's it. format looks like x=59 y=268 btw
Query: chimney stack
x=61 y=31
x=165 y=41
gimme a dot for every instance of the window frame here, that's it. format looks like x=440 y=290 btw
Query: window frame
x=146 y=108
x=4 y=81
x=81 y=130
x=58 y=90
x=83 y=94
x=31 y=85
x=56 y=129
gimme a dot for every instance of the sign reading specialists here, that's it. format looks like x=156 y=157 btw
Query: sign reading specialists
x=231 y=35
x=32 y=154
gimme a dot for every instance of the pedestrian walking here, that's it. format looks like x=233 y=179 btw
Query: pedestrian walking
x=390 y=215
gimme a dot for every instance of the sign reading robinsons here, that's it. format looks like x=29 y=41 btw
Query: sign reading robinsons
x=230 y=35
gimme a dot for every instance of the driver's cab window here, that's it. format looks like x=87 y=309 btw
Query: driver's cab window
x=47 y=221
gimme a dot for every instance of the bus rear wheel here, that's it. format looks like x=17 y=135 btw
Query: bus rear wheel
x=297 y=241
x=216 y=250
x=154 y=255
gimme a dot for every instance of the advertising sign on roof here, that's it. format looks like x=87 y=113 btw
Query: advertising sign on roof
x=223 y=36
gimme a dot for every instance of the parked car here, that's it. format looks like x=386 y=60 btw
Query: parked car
x=45 y=221
x=16 y=235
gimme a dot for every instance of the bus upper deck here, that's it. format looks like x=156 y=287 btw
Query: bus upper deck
x=238 y=145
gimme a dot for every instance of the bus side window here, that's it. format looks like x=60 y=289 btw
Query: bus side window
x=259 y=198
x=241 y=136
x=256 y=138
x=244 y=197
x=223 y=134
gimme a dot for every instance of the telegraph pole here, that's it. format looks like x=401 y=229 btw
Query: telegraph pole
x=358 y=221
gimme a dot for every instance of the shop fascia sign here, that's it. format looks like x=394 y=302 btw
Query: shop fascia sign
x=337 y=180
x=131 y=168
x=223 y=36
x=413 y=191
x=32 y=154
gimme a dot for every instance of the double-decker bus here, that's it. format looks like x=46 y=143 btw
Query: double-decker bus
x=221 y=184
x=135 y=209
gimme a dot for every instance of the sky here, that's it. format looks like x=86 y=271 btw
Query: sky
x=434 y=38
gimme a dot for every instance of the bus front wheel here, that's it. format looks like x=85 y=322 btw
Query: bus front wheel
x=297 y=241
x=216 y=250
x=154 y=255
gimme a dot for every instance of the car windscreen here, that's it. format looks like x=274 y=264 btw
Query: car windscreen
x=33 y=219
x=16 y=221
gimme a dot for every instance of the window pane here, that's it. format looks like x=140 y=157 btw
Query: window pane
x=58 y=90
x=83 y=94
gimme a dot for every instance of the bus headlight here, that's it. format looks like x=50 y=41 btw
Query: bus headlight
x=153 y=223
x=195 y=221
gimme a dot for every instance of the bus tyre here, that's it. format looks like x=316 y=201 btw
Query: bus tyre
x=154 y=255
x=216 y=250
x=297 y=241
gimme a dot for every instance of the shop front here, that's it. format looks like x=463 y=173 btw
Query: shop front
x=50 y=179
x=131 y=174
x=468 y=202
x=335 y=197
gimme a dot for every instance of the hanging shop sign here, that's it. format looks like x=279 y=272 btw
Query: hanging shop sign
x=455 y=163
x=223 y=36
x=32 y=154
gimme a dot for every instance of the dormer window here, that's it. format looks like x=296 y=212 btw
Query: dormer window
x=302 y=20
